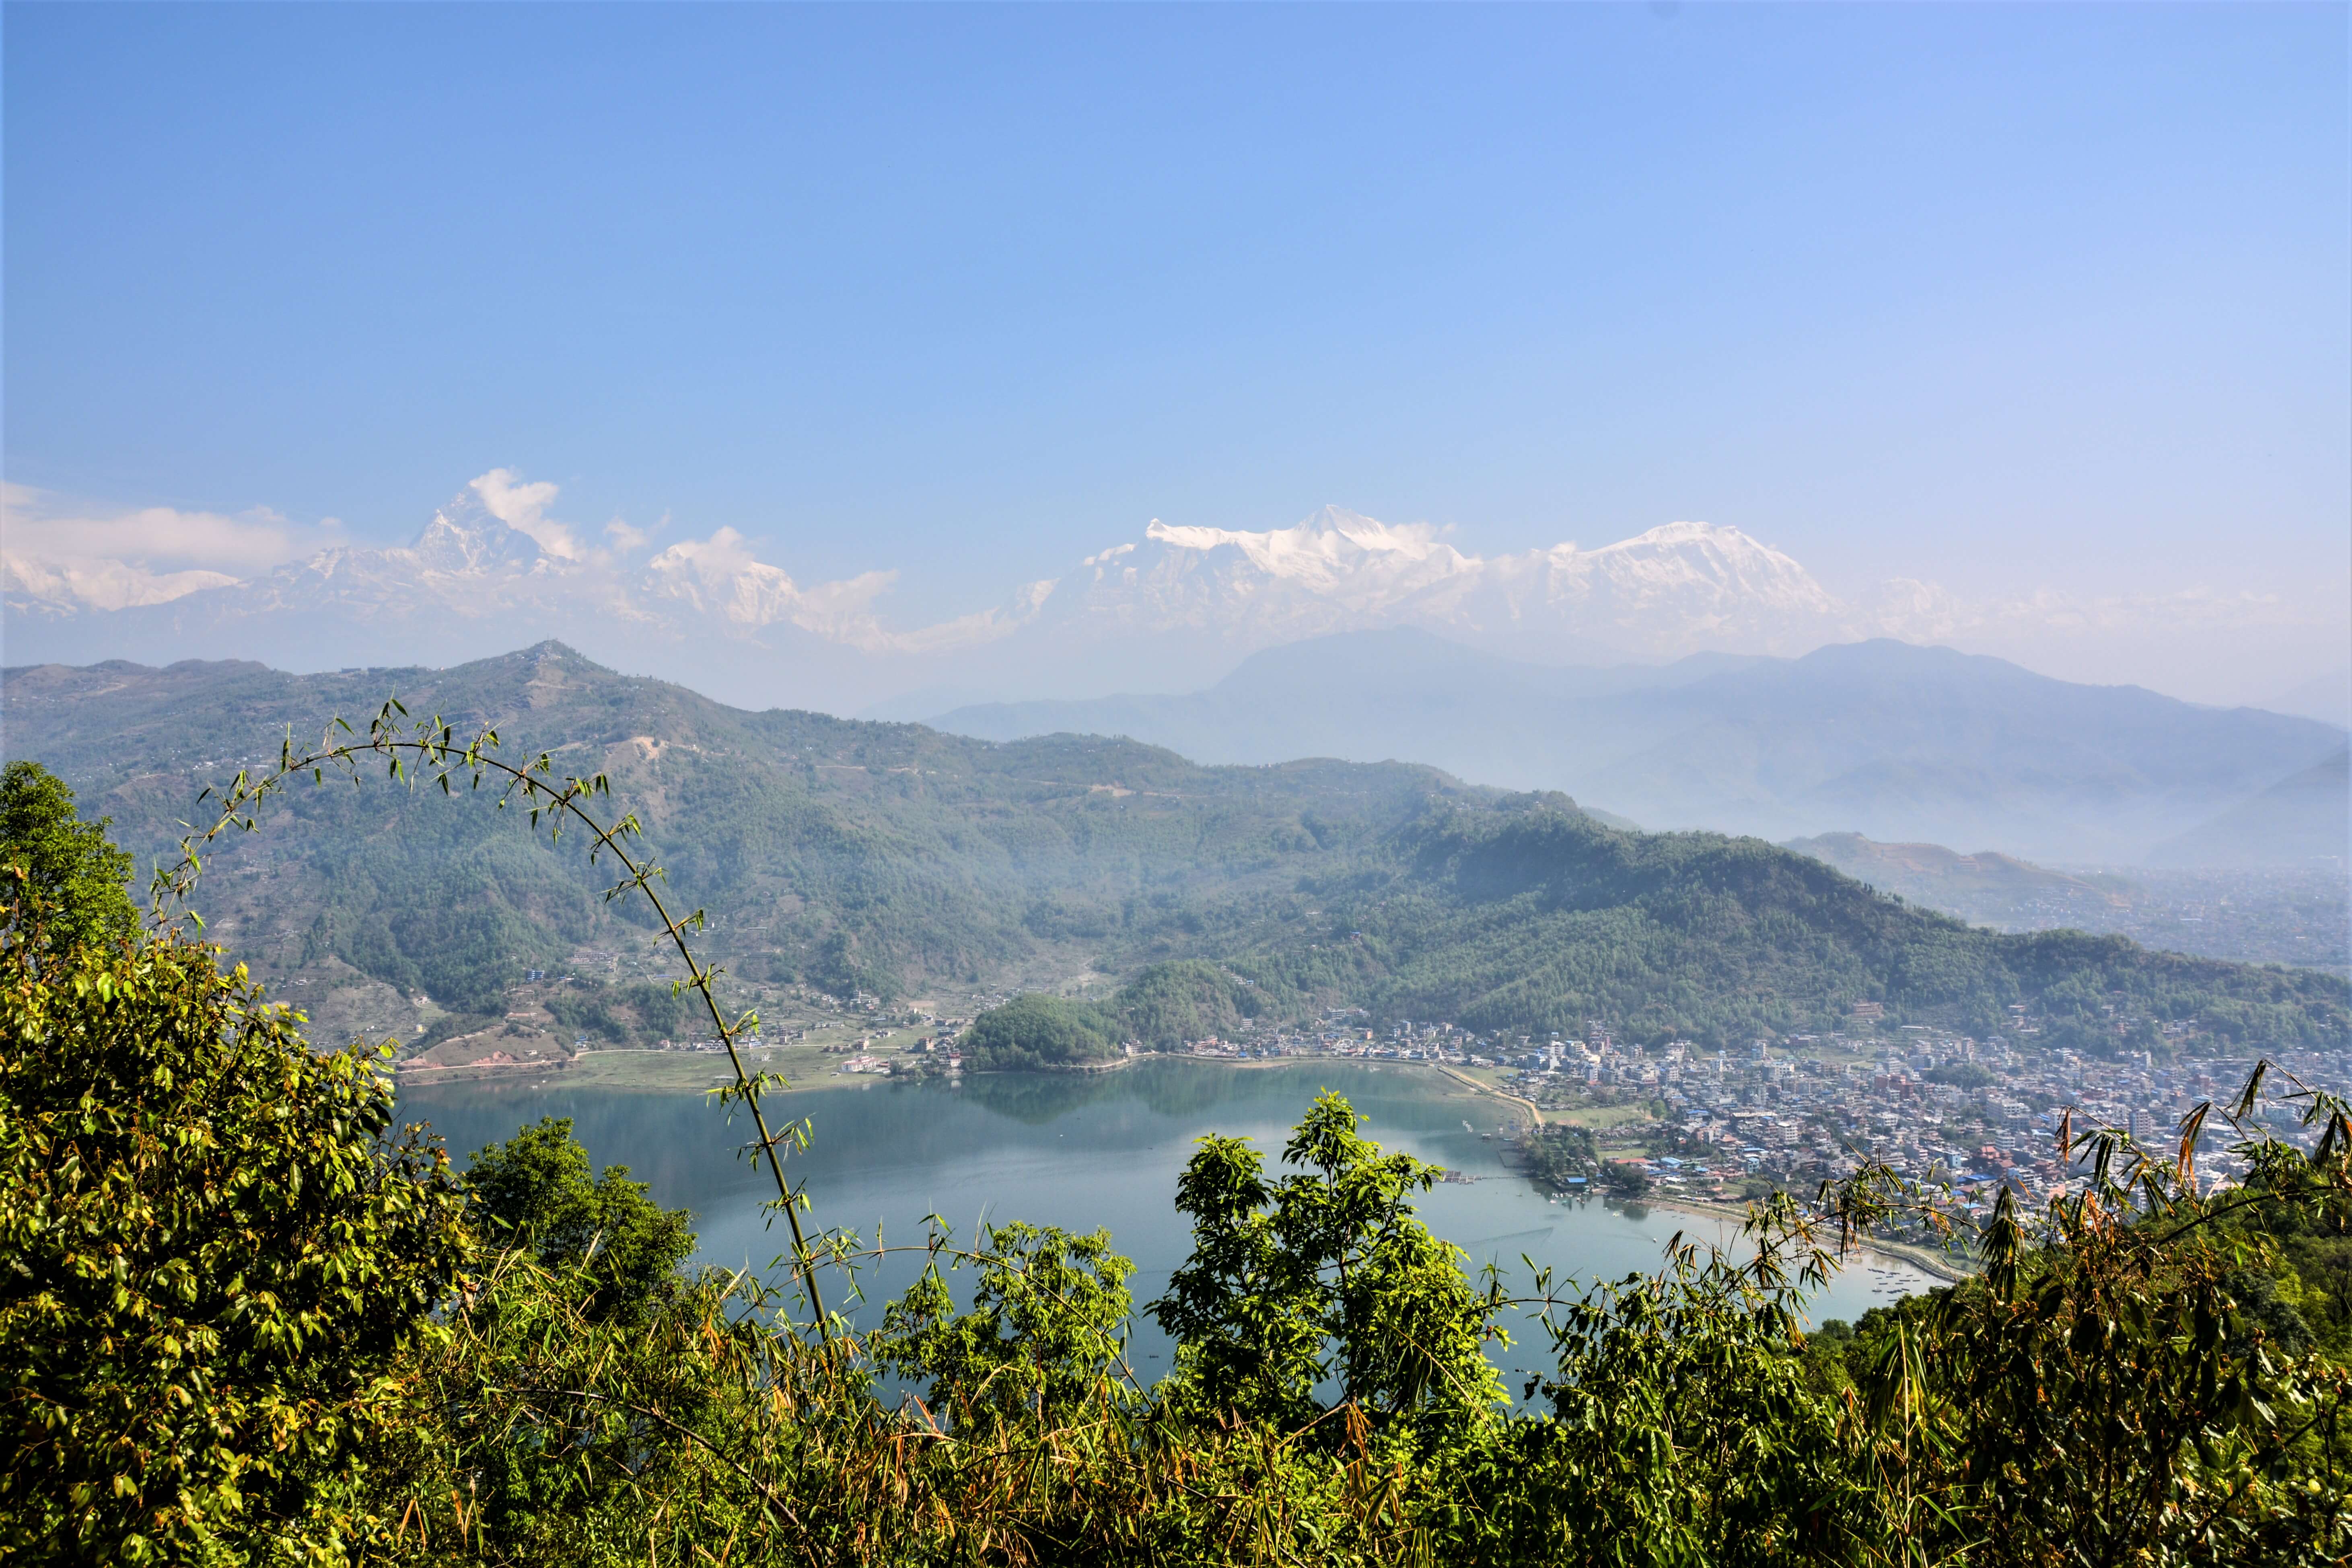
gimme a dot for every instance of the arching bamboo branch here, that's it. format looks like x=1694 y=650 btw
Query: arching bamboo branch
x=432 y=747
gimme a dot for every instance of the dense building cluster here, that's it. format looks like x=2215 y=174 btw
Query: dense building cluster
x=1975 y=1115
x=1933 y=1105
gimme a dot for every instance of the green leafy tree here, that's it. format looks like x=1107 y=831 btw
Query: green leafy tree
x=1045 y=1338
x=217 y=1259
x=72 y=874
x=617 y=1246
x=1626 y=1178
x=546 y=1434
x=1682 y=1433
x=1033 y=1030
x=581 y=1374
x=1326 y=1275
x=1555 y=1154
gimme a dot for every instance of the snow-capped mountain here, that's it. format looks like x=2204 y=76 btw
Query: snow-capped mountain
x=492 y=570
x=1173 y=609
x=1673 y=590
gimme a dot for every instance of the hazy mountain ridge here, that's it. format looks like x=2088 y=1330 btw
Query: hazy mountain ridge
x=2296 y=820
x=850 y=853
x=1897 y=742
x=2267 y=915
x=1985 y=880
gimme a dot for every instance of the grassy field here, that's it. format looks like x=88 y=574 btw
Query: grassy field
x=1600 y=1118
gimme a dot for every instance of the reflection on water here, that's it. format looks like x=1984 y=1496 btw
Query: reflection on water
x=1081 y=1152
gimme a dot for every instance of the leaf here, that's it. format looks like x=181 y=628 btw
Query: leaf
x=2253 y=1091
x=2190 y=1126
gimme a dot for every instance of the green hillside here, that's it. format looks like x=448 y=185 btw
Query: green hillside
x=1528 y=915
x=847 y=854
x=896 y=859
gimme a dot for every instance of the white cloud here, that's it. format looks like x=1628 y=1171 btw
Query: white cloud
x=627 y=536
x=722 y=555
x=722 y=576
x=523 y=507
x=68 y=555
x=99 y=584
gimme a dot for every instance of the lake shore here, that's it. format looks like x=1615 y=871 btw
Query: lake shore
x=1533 y=1111
x=672 y=1072
x=652 y=1072
x=1926 y=1260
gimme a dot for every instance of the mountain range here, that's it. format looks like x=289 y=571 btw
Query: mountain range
x=1987 y=888
x=852 y=854
x=1652 y=677
x=1170 y=609
x=1879 y=738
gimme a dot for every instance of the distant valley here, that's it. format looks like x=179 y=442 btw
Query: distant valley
x=2273 y=915
x=1896 y=742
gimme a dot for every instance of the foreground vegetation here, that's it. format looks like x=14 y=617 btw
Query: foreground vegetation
x=247 y=1319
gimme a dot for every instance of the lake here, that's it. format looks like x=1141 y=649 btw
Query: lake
x=1081 y=1152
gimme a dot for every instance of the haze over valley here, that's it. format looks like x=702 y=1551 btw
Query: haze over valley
x=1879 y=738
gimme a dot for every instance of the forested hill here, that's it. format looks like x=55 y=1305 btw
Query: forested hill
x=894 y=857
x=881 y=855
x=1527 y=913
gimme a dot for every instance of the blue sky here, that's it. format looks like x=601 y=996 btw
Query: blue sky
x=2005 y=296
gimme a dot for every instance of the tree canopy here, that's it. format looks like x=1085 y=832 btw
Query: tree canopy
x=218 y=1257
x=73 y=875
x=535 y=1190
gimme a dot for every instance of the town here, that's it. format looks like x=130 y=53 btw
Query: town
x=1944 y=1109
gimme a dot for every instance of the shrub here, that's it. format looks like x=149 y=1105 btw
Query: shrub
x=218 y=1258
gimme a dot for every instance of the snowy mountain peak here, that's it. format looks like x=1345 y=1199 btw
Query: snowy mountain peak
x=1674 y=587
x=719 y=576
x=1666 y=534
x=1740 y=574
x=464 y=538
x=1331 y=540
x=495 y=522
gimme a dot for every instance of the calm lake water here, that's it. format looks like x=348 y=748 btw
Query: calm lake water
x=1080 y=1152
